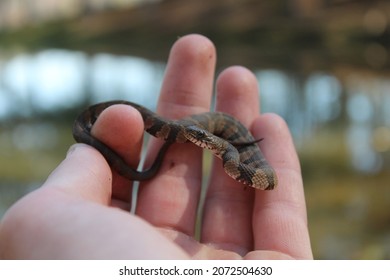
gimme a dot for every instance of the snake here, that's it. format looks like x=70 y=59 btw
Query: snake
x=222 y=134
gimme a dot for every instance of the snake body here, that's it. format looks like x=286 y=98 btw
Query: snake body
x=225 y=136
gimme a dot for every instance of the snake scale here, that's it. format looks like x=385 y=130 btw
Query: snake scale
x=225 y=136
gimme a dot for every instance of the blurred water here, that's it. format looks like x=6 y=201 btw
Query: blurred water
x=52 y=80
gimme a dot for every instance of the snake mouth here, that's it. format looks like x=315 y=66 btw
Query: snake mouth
x=203 y=144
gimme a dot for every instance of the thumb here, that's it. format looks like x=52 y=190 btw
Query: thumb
x=84 y=173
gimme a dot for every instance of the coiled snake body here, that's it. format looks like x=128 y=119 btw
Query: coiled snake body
x=225 y=136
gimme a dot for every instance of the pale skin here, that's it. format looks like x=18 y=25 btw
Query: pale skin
x=81 y=211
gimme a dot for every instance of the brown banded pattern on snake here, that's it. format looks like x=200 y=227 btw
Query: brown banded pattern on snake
x=225 y=136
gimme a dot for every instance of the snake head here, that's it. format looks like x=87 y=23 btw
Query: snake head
x=198 y=135
x=205 y=139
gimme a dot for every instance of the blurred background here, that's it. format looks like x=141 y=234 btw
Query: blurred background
x=323 y=65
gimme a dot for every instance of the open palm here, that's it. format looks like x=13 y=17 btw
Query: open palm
x=78 y=212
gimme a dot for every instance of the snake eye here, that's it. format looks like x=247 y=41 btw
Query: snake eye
x=201 y=134
x=196 y=132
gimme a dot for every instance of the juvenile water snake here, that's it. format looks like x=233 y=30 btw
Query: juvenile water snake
x=225 y=136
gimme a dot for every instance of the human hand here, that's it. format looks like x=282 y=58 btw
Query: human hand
x=78 y=212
